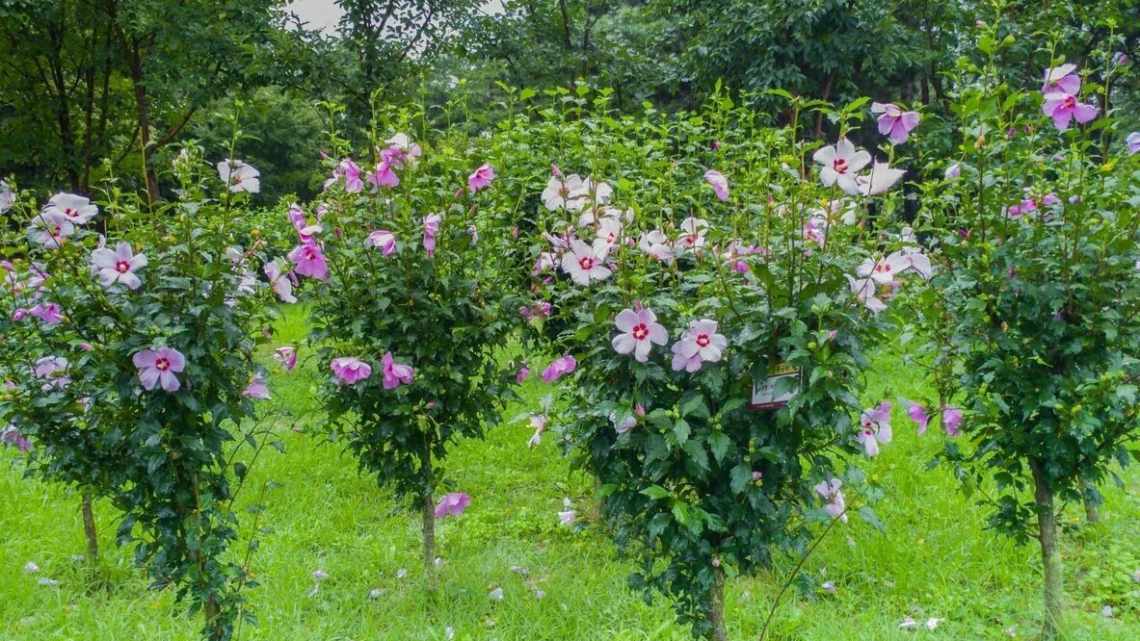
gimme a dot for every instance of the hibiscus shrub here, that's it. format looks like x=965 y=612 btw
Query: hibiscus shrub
x=136 y=371
x=407 y=314
x=717 y=309
x=1035 y=307
x=35 y=363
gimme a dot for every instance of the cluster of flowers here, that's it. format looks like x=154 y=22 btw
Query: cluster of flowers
x=639 y=331
x=841 y=163
x=401 y=151
x=115 y=269
x=875 y=430
x=308 y=257
x=350 y=371
x=586 y=260
x=878 y=279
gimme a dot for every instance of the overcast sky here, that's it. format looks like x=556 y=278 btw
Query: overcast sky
x=324 y=14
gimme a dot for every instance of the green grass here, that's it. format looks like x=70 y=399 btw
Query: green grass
x=935 y=559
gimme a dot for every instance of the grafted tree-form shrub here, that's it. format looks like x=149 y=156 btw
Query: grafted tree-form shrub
x=1034 y=307
x=133 y=371
x=408 y=314
x=715 y=306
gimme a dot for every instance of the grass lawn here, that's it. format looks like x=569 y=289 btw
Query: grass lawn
x=935 y=559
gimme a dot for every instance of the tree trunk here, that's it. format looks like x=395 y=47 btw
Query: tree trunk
x=142 y=112
x=1092 y=501
x=429 y=542
x=1050 y=554
x=428 y=514
x=89 y=531
x=718 y=632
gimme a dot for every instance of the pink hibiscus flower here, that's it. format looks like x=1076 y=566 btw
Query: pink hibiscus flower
x=558 y=368
x=309 y=260
x=279 y=281
x=895 y=123
x=1063 y=108
x=287 y=356
x=349 y=370
x=383 y=240
x=586 y=263
x=699 y=344
x=431 y=231
x=718 y=182
x=158 y=367
x=952 y=421
x=452 y=504
x=917 y=413
x=118 y=267
x=481 y=178
x=835 y=506
x=639 y=331
x=257 y=388
x=383 y=176
x=396 y=374
x=875 y=428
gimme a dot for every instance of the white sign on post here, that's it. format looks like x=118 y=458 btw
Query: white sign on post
x=776 y=390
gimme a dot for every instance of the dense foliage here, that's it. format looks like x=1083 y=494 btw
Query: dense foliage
x=671 y=298
x=698 y=262
x=408 y=314
x=131 y=373
x=1035 y=299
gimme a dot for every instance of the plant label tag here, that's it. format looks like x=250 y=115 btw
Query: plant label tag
x=776 y=390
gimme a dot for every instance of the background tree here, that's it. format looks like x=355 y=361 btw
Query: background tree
x=390 y=41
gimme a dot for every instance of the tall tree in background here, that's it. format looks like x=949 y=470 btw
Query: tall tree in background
x=60 y=105
x=90 y=61
x=391 y=38
x=180 y=55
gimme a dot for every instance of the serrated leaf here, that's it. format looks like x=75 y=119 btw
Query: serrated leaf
x=694 y=405
x=740 y=477
x=682 y=431
x=731 y=405
x=660 y=419
x=684 y=514
x=697 y=454
x=719 y=443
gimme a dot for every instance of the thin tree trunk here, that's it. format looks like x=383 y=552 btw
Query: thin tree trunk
x=1092 y=501
x=215 y=629
x=429 y=542
x=716 y=607
x=142 y=112
x=428 y=515
x=89 y=530
x=1050 y=554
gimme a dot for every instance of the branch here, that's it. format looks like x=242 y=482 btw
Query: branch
x=566 y=25
x=419 y=34
x=177 y=128
x=796 y=571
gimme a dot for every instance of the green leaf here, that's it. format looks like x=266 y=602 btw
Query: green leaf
x=656 y=492
x=681 y=430
x=656 y=449
x=731 y=405
x=694 y=405
x=684 y=514
x=740 y=477
x=697 y=454
x=719 y=443
x=660 y=419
